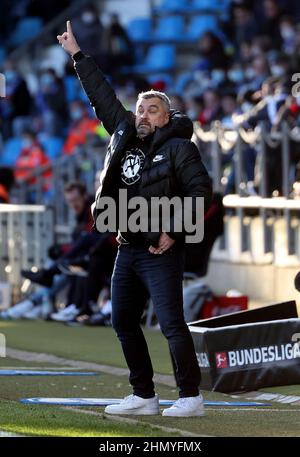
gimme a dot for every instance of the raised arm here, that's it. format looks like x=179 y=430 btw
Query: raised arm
x=108 y=108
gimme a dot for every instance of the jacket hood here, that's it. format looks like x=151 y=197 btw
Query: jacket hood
x=179 y=126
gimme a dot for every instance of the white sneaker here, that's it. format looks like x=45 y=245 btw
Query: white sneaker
x=186 y=407
x=34 y=313
x=106 y=308
x=65 y=314
x=135 y=406
x=65 y=310
x=17 y=311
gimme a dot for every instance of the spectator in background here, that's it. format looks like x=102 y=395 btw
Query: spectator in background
x=94 y=253
x=120 y=51
x=272 y=96
x=288 y=33
x=297 y=47
x=212 y=54
x=194 y=106
x=7 y=180
x=289 y=112
x=245 y=52
x=82 y=126
x=79 y=202
x=50 y=278
x=178 y=103
x=89 y=31
x=219 y=78
x=242 y=27
x=271 y=22
x=51 y=103
x=257 y=72
x=97 y=261
x=228 y=106
x=236 y=76
x=31 y=157
x=211 y=107
x=280 y=67
x=12 y=11
x=16 y=106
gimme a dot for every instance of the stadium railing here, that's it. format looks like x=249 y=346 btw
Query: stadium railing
x=25 y=235
x=258 y=228
x=83 y=165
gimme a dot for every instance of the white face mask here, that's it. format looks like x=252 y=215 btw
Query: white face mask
x=218 y=76
x=250 y=73
x=287 y=32
x=236 y=75
x=277 y=70
x=205 y=83
x=88 y=17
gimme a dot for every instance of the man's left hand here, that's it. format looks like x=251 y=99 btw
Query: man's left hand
x=164 y=243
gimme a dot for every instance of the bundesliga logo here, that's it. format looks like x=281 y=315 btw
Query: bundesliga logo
x=257 y=356
x=221 y=360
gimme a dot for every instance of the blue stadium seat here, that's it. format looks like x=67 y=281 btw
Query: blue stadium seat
x=11 y=151
x=201 y=24
x=206 y=5
x=26 y=29
x=182 y=81
x=73 y=89
x=169 y=28
x=71 y=84
x=160 y=58
x=52 y=146
x=219 y=7
x=172 y=6
x=139 y=30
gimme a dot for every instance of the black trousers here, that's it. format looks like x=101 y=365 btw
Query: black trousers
x=137 y=273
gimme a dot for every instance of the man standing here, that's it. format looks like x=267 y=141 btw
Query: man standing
x=150 y=155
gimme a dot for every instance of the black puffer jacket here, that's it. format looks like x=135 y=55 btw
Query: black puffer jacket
x=179 y=173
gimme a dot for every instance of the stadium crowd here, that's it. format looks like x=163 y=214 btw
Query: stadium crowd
x=241 y=75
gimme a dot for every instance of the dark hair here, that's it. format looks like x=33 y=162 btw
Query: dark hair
x=29 y=132
x=76 y=185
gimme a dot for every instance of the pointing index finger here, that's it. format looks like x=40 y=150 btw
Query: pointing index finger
x=69 y=28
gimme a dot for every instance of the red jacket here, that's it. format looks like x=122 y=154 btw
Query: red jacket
x=30 y=159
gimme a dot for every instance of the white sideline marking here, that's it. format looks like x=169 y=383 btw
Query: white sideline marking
x=161 y=379
x=36 y=368
x=4 y=434
x=269 y=410
x=128 y=420
x=29 y=356
x=268 y=396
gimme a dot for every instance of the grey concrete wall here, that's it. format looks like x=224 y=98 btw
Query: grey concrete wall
x=264 y=283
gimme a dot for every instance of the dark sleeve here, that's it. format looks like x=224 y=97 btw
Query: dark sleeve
x=102 y=97
x=193 y=180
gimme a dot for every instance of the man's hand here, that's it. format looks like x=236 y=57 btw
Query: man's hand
x=68 y=41
x=164 y=243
